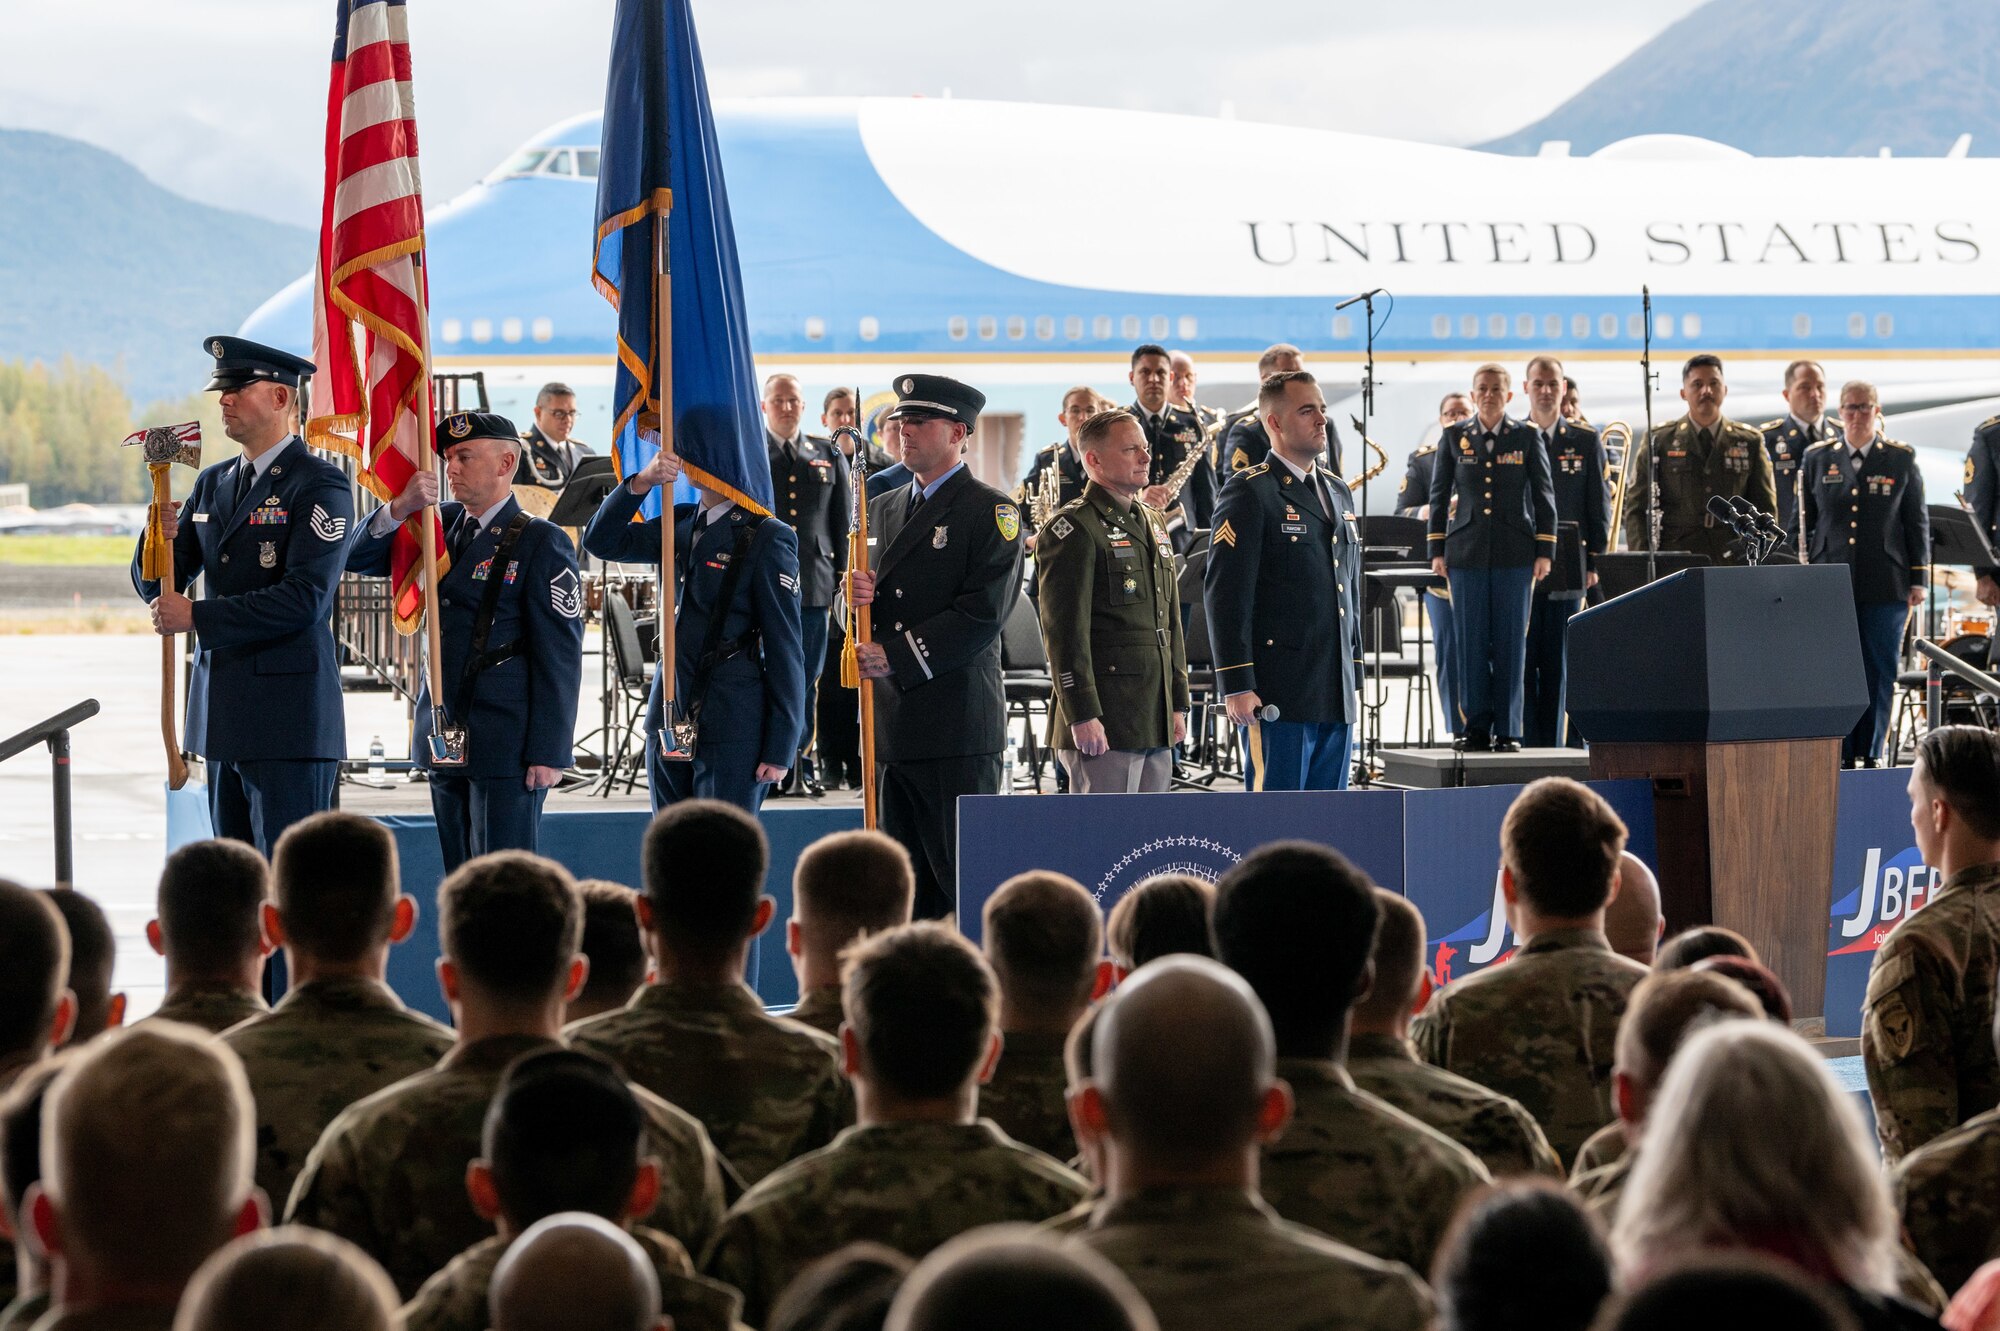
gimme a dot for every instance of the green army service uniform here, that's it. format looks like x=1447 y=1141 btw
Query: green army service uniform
x=912 y=1186
x=211 y=1007
x=1927 y=1020
x=1111 y=620
x=1025 y=1097
x=1212 y=1258
x=1361 y=1172
x=1498 y=1130
x=455 y=1298
x=1732 y=462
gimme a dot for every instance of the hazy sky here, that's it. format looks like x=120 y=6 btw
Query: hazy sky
x=224 y=100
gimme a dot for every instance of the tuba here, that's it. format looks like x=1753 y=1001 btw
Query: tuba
x=1616 y=471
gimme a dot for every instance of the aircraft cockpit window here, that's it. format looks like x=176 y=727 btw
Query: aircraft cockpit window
x=561 y=163
x=586 y=163
x=526 y=162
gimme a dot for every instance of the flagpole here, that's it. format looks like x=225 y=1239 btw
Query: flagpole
x=426 y=461
x=669 y=610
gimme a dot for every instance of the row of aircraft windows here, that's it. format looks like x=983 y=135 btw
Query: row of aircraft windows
x=481 y=330
x=1523 y=326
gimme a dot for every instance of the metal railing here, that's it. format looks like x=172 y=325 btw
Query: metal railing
x=1942 y=662
x=55 y=733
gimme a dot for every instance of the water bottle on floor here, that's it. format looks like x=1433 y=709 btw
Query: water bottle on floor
x=376 y=775
x=1008 y=771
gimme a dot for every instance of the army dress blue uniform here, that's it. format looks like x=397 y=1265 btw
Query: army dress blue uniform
x=1283 y=596
x=268 y=539
x=1493 y=513
x=1576 y=470
x=1245 y=443
x=753 y=701
x=1786 y=440
x=1410 y=503
x=1982 y=484
x=812 y=492
x=1869 y=514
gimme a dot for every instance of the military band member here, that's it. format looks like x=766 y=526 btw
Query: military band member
x=1572 y=402
x=1079 y=404
x=510 y=620
x=1111 y=618
x=1788 y=437
x=1982 y=493
x=740 y=673
x=1181 y=390
x=267 y=533
x=1492 y=534
x=548 y=454
x=1171 y=435
x=810 y=491
x=1244 y=442
x=1576 y=470
x=1286 y=548
x=837 y=413
x=1702 y=454
x=947 y=567
x=1863 y=506
x=835 y=722
x=1414 y=501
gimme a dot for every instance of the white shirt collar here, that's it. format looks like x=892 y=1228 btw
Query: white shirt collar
x=486 y=518
x=260 y=465
x=1303 y=473
x=715 y=512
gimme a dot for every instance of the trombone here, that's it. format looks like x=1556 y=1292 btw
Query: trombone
x=1616 y=470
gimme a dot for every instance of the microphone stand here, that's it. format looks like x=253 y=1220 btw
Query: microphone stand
x=1655 y=516
x=1367 y=299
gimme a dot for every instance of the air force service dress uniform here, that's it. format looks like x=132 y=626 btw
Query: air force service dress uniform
x=1982 y=484
x=268 y=539
x=1867 y=511
x=1286 y=551
x=1493 y=514
x=810 y=490
x=1726 y=459
x=947 y=563
x=1412 y=501
x=749 y=703
x=1786 y=440
x=510 y=625
x=1576 y=469
x=1111 y=617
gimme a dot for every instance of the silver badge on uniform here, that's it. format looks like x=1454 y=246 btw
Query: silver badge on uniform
x=939 y=535
x=267 y=554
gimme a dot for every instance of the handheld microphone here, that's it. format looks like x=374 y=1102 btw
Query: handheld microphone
x=1356 y=300
x=1268 y=712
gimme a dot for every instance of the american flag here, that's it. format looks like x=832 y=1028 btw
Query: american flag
x=370 y=295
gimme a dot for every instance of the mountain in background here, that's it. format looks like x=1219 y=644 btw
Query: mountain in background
x=1800 y=78
x=99 y=263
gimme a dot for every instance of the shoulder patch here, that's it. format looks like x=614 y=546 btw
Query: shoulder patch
x=1970 y=471
x=1061 y=528
x=1239 y=460
x=1008 y=519
x=1225 y=535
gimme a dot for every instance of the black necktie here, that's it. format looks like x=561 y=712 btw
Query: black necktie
x=462 y=533
x=245 y=473
x=1706 y=441
x=916 y=502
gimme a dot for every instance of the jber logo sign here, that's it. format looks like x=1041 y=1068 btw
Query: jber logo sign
x=1890 y=891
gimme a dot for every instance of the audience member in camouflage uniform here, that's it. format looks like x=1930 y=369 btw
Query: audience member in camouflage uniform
x=564 y=1133
x=1540 y=1028
x=1944 y=1189
x=293 y=1278
x=1632 y=919
x=35 y=1008
x=613 y=946
x=1499 y=1131
x=1161 y=915
x=847 y=1290
x=27 y=1271
x=1011 y=1276
x=1185 y=1091
x=389 y=1173
x=1297 y=921
x=1926 y=1027
x=575 y=1272
x=1043 y=937
x=846 y=885
x=767 y=1089
x=919 y=1168
x=210 y=896
x=1522 y=1254
x=93 y=956
x=339 y=1034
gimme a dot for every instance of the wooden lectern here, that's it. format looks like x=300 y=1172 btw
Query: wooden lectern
x=1730 y=690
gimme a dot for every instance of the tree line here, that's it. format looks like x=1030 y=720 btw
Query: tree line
x=61 y=428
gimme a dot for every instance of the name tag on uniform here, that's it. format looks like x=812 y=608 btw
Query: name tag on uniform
x=1513 y=459
x=1835 y=475
x=1296 y=528
x=201 y=517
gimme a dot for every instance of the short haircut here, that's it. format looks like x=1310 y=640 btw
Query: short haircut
x=1443 y=401
x=704 y=864
x=1665 y=1008
x=611 y=940
x=511 y=923
x=1272 y=354
x=147 y=1124
x=1399 y=958
x=563 y=1133
x=1962 y=764
x=574 y=1272
x=1706 y=360
x=1773 y=999
x=209 y=900
x=335 y=880
x=1044 y=935
x=1562 y=842
x=292 y=1277
x=1165 y=914
x=1145 y=349
x=93 y=954
x=1100 y=425
x=1004 y=1277
x=921 y=1002
x=1272 y=391
x=1090 y=395
x=555 y=388
x=1688 y=946
x=1860 y=386
x=36 y=969
x=1544 y=358
x=1792 y=370
x=1730 y=1289
x=1495 y=367
x=834 y=395
x=1523 y=1253
x=1297 y=920
x=21 y=1129
x=771 y=381
x=852 y=883
x=849 y=1289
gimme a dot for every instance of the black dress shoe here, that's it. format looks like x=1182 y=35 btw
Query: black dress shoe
x=815 y=789
x=1506 y=746
x=1473 y=744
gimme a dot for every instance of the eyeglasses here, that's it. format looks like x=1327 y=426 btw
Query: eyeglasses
x=562 y=415
x=1856 y=408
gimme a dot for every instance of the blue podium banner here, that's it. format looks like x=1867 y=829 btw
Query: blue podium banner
x=1879 y=880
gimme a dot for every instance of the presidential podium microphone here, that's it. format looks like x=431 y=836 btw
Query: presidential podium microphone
x=1759 y=522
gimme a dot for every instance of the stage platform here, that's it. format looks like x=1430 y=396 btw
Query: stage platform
x=1448 y=769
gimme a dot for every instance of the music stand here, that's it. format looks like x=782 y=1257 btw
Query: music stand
x=1625 y=571
x=1956 y=542
x=1393 y=554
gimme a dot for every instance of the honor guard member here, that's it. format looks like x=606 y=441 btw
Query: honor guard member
x=1180 y=395
x=1171 y=436
x=1285 y=549
x=1079 y=404
x=1414 y=501
x=837 y=412
x=267 y=532
x=1787 y=438
x=946 y=570
x=1982 y=492
x=809 y=490
x=548 y=454
x=1576 y=469
x=1492 y=535
x=1701 y=455
x=1111 y=617
x=739 y=665
x=1244 y=442
x=1864 y=507
x=510 y=620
